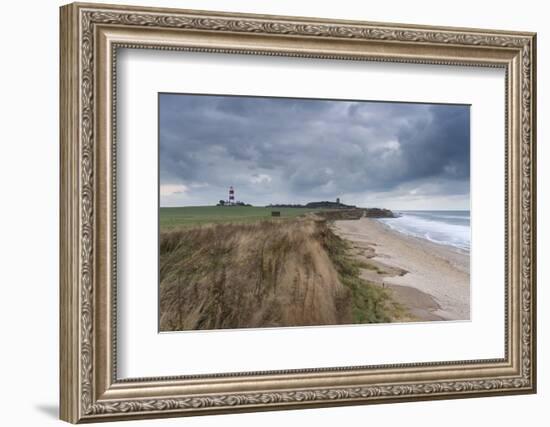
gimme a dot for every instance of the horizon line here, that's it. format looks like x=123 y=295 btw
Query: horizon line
x=290 y=207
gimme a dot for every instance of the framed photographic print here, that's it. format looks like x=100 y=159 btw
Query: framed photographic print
x=266 y=212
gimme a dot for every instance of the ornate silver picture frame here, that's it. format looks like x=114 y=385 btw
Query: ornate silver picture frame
x=91 y=37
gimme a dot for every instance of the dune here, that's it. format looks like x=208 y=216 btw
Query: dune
x=295 y=272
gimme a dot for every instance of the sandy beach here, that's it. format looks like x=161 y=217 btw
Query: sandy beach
x=431 y=281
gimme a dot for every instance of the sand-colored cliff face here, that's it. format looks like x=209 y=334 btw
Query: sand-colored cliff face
x=258 y=275
x=267 y=274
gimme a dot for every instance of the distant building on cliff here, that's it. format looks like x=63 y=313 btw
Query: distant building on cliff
x=231 y=200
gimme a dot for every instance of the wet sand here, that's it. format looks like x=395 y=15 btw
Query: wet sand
x=431 y=281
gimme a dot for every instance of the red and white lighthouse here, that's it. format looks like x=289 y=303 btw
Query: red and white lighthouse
x=231 y=196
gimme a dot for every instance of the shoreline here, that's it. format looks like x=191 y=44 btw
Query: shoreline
x=452 y=247
x=431 y=280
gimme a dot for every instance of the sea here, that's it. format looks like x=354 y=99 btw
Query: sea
x=450 y=228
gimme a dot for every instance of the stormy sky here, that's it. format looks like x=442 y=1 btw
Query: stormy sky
x=281 y=150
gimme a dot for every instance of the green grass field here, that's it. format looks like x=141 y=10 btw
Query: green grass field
x=171 y=218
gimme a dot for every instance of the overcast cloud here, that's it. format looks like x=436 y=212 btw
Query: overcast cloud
x=279 y=150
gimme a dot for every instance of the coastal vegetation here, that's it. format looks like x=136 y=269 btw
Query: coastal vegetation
x=264 y=273
x=191 y=216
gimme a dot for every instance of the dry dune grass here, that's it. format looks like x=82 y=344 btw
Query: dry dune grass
x=266 y=274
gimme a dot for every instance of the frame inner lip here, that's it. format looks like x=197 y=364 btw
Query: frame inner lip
x=341 y=370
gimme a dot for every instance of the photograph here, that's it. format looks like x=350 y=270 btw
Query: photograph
x=292 y=212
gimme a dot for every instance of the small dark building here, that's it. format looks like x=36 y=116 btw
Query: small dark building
x=275 y=213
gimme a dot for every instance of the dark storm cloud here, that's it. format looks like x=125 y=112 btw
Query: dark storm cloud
x=288 y=150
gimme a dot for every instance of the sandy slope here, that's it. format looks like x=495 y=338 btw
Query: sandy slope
x=432 y=281
x=265 y=274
